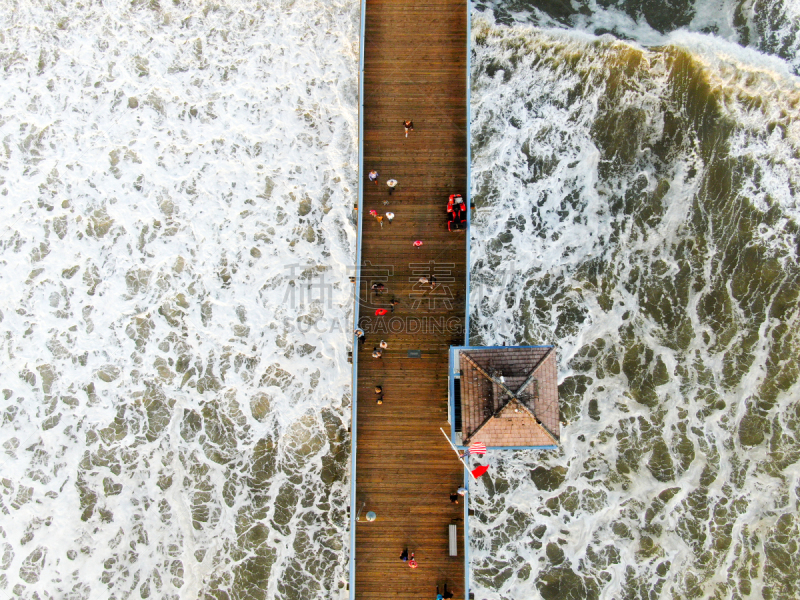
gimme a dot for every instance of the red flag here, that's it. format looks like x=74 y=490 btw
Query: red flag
x=480 y=470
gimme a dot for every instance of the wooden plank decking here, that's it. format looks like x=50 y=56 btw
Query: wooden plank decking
x=414 y=67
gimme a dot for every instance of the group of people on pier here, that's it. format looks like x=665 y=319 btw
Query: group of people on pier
x=456 y=220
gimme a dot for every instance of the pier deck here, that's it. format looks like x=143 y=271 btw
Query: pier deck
x=414 y=67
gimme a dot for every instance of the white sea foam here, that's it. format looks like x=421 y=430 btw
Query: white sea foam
x=771 y=27
x=608 y=217
x=167 y=383
x=175 y=411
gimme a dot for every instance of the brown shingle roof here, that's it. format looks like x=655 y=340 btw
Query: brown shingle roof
x=509 y=396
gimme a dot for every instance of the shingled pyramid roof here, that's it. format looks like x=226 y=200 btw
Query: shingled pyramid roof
x=509 y=396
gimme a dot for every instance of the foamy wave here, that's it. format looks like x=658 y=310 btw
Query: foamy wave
x=175 y=406
x=771 y=27
x=635 y=208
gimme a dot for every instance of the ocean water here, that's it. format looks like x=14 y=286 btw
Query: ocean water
x=176 y=185
x=637 y=206
x=769 y=26
x=176 y=189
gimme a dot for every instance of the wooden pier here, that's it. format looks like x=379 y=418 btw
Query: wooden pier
x=415 y=67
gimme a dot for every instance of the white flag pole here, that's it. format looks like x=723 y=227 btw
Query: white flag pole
x=457 y=454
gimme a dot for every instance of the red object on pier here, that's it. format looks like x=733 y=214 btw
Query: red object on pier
x=480 y=470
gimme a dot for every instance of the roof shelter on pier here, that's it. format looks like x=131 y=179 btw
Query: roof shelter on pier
x=504 y=396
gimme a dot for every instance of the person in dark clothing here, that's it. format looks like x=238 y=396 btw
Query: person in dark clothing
x=404 y=555
x=445 y=595
x=408 y=125
x=453 y=221
x=360 y=335
x=454 y=498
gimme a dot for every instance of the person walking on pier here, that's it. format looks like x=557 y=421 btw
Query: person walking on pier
x=376 y=353
x=404 y=555
x=389 y=217
x=391 y=183
x=408 y=125
x=411 y=562
x=383 y=345
x=418 y=244
x=373 y=176
x=446 y=596
x=360 y=335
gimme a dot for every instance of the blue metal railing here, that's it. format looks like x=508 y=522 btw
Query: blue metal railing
x=469 y=171
x=466 y=535
x=467 y=292
x=356 y=305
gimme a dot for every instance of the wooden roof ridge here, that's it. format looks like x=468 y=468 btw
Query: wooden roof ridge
x=548 y=432
x=481 y=426
x=532 y=414
x=532 y=374
x=485 y=374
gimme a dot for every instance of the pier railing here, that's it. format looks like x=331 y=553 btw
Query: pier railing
x=356 y=305
x=468 y=196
